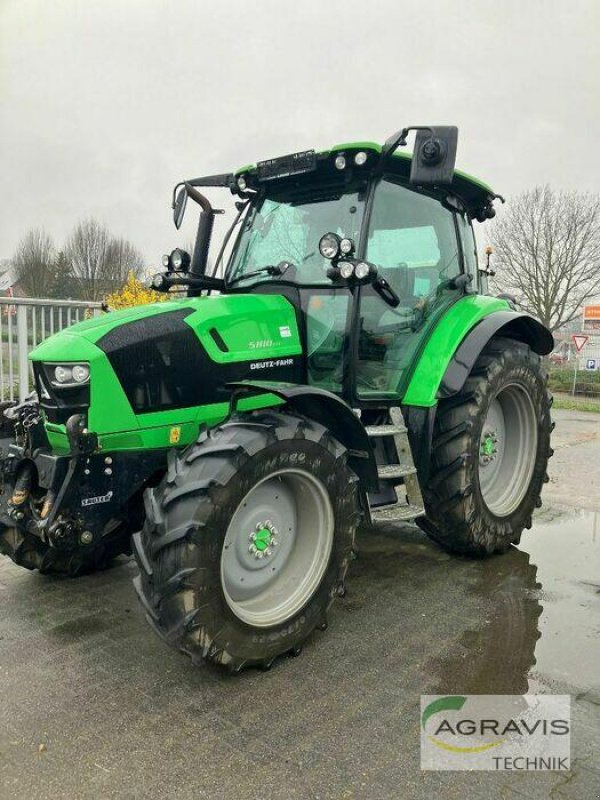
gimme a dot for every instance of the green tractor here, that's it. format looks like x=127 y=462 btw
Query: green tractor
x=342 y=363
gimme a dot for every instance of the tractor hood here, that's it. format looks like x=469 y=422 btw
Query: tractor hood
x=230 y=327
x=167 y=361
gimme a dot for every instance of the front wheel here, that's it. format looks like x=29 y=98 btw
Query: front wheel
x=247 y=540
x=490 y=453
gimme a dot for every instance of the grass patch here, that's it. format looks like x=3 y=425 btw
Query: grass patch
x=576 y=404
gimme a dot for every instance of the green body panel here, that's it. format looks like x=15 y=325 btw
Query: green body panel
x=255 y=320
x=159 y=437
x=250 y=326
x=447 y=335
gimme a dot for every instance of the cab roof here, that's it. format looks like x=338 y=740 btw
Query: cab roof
x=474 y=193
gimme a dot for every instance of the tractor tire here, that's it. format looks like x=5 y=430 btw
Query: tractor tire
x=247 y=540
x=30 y=552
x=490 y=452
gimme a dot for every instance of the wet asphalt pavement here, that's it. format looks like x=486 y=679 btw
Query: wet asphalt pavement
x=93 y=705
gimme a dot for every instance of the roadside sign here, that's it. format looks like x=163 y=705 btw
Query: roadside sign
x=591 y=319
x=579 y=340
x=591 y=363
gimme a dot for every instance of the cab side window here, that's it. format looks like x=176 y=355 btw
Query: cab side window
x=412 y=241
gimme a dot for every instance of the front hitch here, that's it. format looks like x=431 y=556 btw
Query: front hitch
x=82 y=444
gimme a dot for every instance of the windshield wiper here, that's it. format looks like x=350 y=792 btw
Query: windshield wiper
x=269 y=270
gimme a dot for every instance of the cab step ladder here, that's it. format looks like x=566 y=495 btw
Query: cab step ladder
x=401 y=474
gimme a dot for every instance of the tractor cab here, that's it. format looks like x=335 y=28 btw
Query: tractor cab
x=369 y=245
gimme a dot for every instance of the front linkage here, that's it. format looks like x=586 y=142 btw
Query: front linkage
x=67 y=514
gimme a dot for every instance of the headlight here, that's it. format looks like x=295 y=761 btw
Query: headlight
x=242 y=185
x=81 y=373
x=68 y=375
x=340 y=162
x=63 y=374
x=360 y=158
x=346 y=246
x=179 y=260
x=329 y=245
x=165 y=261
x=346 y=269
x=362 y=270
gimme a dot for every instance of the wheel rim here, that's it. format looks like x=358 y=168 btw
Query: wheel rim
x=277 y=547
x=507 y=450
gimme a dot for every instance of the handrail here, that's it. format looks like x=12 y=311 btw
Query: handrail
x=49 y=301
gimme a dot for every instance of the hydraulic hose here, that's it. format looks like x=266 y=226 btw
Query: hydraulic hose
x=23 y=484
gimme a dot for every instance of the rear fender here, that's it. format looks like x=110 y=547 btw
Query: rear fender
x=420 y=417
x=510 y=324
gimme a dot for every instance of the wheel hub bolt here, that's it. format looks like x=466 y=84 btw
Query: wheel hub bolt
x=488 y=450
x=263 y=539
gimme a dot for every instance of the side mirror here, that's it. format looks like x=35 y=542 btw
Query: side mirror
x=179 y=207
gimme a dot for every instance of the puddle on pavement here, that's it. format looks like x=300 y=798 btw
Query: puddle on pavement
x=566 y=550
x=541 y=626
x=80 y=627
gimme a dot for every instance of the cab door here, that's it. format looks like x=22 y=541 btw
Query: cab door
x=412 y=239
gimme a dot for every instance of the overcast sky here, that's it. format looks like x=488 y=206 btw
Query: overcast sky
x=105 y=104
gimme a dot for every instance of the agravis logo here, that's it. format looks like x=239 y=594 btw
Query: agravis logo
x=530 y=732
x=463 y=727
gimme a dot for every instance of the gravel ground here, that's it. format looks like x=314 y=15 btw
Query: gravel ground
x=93 y=705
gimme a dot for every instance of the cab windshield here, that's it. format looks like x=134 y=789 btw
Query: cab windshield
x=288 y=228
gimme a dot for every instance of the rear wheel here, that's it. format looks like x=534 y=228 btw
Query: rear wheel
x=247 y=540
x=490 y=453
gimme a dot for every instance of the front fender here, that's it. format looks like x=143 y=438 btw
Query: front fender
x=331 y=412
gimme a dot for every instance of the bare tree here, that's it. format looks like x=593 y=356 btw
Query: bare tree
x=87 y=249
x=547 y=248
x=123 y=258
x=100 y=262
x=34 y=264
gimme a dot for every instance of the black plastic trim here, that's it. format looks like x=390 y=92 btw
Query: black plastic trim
x=218 y=340
x=419 y=423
